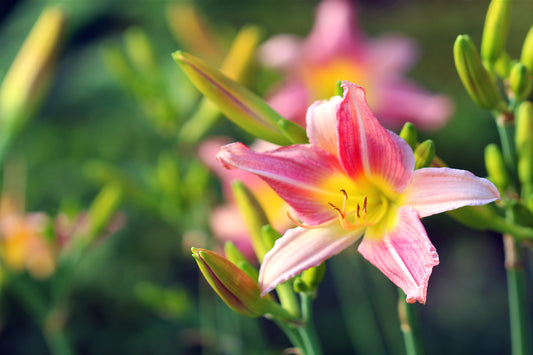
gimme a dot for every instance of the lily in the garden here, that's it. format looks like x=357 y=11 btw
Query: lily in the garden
x=356 y=178
x=336 y=49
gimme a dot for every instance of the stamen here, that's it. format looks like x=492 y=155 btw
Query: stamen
x=306 y=226
x=364 y=204
x=341 y=214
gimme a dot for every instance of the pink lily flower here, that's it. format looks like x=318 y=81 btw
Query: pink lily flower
x=336 y=49
x=356 y=178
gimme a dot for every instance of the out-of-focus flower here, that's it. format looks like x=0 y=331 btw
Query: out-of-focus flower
x=354 y=178
x=337 y=50
x=23 y=243
x=226 y=221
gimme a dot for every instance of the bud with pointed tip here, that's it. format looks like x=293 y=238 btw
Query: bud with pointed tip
x=474 y=76
x=409 y=134
x=424 y=154
x=244 y=108
x=234 y=255
x=526 y=57
x=520 y=82
x=495 y=165
x=495 y=30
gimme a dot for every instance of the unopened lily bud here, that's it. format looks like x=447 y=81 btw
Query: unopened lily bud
x=244 y=108
x=525 y=171
x=503 y=65
x=241 y=54
x=238 y=290
x=473 y=74
x=140 y=51
x=424 y=154
x=520 y=82
x=27 y=81
x=310 y=279
x=495 y=166
x=103 y=208
x=409 y=134
x=526 y=57
x=269 y=236
x=495 y=30
x=253 y=216
x=524 y=128
x=234 y=255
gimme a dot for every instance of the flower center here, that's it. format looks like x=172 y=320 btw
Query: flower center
x=361 y=215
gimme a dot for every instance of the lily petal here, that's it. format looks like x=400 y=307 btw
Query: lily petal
x=405 y=254
x=435 y=190
x=364 y=143
x=321 y=122
x=298 y=173
x=300 y=249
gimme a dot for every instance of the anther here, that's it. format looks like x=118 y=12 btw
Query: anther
x=364 y=205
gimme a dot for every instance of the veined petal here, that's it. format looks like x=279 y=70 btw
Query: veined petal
x=301 y=174
x=435 y=190
x=321 y=122
x=368 y=149
x=405 y=254
x=299 y=249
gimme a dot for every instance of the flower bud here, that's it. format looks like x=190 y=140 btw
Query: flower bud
x=235 y=256
x=233 y=285
x=503 y=65
x=310 y=279
x=520 y=82
x=253 y=215
x=239 y=104
x=495 y=30
x=409 y=134
x=474 y=76
x=294 y=132
x=27 y=81
x=526 y=57
x=495 y=166
x=524 y=128
x=424 y=154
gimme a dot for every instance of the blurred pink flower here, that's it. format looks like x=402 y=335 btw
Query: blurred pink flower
x=337 y=50
x=226 y=221
x=356 y=178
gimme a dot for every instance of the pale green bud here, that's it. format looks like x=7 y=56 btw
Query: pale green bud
x=140 y=52
x=269 y=236
x=409 y=134
x=474 y=76
x=495 y=30
x=495 y=166
x=524 y=128
x=253 y=216
x=520 y=82
x=525 y=169
x=294 y=132
x=526 y=57
x=424 y=154
x=310 y=279
x=244 y=108
x=503 y=65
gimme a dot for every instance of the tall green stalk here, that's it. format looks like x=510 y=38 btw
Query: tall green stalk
x=410 y=326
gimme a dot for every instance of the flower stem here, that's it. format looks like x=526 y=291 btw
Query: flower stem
x=517 y=293
x=410 y=326
x=308 y=332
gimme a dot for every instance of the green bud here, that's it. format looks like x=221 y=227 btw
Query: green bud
x=239 y=104
x=520 y=82
x=495 y=30
x=310 y=279
x=241 y=53
x=140 y=52
x=525 y=170
x=103 y=208
x=269 y=236
x=234 y=255
x=339 y=90
x=503 y=65
x=495 y=166
x=526 y=57
x=240 y=292
x=253 y=216
x=409 y=134
x=524 y=128
x=424 y=154
x=474 y=76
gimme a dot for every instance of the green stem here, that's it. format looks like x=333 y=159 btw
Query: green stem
x=410 y=326
x=506 y=133
x=292 y=333
x=308 y=333
x=288 y=299
x=517 y=293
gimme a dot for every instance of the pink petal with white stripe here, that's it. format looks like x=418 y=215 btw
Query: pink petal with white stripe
x=368 y=149
x=405 y=254
x=436 y=190
x=297 y=173
x=300 y=249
